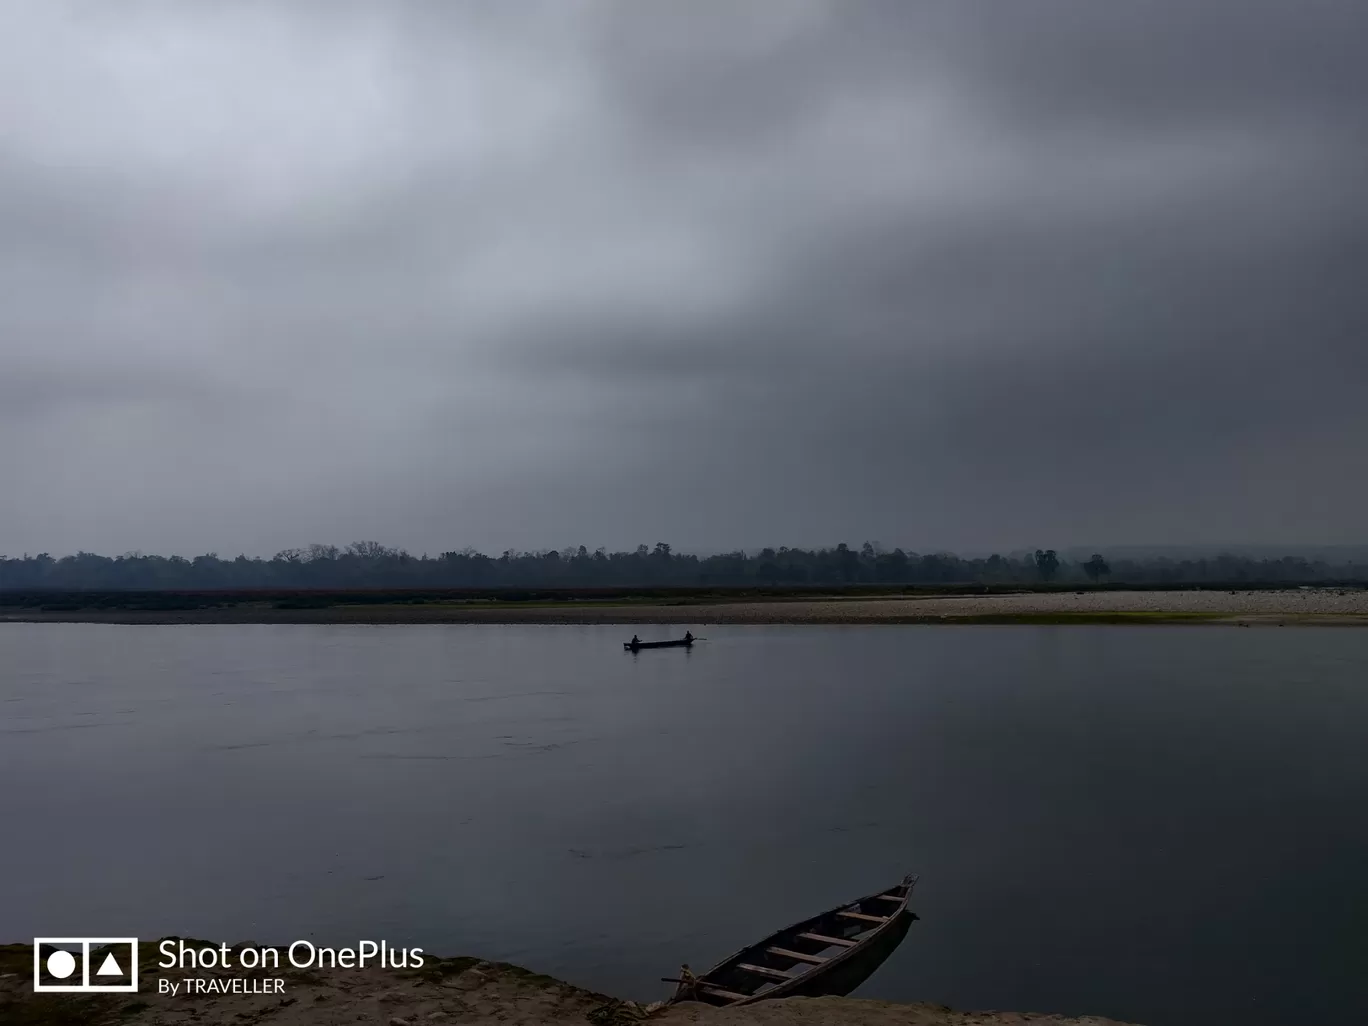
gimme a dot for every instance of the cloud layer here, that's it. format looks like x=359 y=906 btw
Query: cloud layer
x=743 y=273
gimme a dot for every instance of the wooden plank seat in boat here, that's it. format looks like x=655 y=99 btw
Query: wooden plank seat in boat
x=822 y=938
x=862 y=916
x=761 y=970
x=889 y=897
x=800 y=956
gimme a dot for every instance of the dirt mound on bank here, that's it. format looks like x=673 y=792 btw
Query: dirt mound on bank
x=444 y=991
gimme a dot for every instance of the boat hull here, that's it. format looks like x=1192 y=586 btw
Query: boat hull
x=830 y=954
x=844 y=978
x=677 y=643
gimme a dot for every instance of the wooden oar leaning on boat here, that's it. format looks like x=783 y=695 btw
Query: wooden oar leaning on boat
x=832 y=953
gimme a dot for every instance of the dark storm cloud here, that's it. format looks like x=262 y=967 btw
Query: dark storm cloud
x=963 y=275
x=1130 y=68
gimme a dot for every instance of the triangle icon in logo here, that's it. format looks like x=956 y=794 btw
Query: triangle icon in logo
x=109 y=967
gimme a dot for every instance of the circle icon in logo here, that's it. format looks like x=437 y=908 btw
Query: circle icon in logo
x=61 y=964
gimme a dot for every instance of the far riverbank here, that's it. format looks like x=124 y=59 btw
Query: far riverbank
x=1285 y=607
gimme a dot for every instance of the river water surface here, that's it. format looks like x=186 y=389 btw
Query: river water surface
x=1166 y=825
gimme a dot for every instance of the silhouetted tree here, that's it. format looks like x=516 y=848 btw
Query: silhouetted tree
x=1047 y=564
x=372 y=565
x=368 y=550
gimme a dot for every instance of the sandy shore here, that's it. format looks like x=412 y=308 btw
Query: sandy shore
x=447 y=991
x=1290 y=607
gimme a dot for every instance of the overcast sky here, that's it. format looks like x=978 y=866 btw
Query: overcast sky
x=524 y=274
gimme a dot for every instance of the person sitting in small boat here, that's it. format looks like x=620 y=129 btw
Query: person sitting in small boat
x=635 y=640
x=688 y=635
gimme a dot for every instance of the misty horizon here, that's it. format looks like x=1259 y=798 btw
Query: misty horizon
x=372 y=568
x=1347 y=552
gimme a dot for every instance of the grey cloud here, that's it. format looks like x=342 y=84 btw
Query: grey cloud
x=966 y=276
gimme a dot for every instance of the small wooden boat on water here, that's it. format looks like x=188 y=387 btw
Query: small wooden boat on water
x=632 y=646
x=829 y=954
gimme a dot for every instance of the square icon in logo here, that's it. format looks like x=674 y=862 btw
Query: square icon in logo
x=88 y=965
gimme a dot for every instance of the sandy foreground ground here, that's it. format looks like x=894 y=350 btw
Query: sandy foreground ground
x=1347 y=607
x=450 y=991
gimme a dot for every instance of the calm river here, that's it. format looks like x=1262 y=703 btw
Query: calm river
x=1162 y=825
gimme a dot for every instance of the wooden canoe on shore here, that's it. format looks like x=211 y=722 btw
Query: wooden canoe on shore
x=676 y=643
x=827 y=955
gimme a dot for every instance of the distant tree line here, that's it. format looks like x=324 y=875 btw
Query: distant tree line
x=372 y=565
